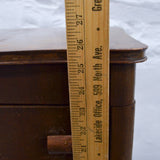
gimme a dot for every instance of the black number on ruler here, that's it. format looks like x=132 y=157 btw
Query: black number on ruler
x=80 y=68
x=83 y=148
x=79 y=20
x=80 y=44
x=81 y=91
x=82 y=111
x=79 y=47
x=83 y=131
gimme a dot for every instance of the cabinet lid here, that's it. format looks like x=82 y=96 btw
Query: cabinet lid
x=48 y=45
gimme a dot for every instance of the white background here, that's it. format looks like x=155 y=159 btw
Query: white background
x=141 y=19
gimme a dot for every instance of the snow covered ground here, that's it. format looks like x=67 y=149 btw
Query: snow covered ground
x=141 y=19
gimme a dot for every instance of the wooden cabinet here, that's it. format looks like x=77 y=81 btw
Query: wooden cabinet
x=34 y=98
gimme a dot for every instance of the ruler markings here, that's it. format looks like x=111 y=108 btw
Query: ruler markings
x=82 y=75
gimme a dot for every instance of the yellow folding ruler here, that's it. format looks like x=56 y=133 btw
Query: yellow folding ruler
x=87 y=23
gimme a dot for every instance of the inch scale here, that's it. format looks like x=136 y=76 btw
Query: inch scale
x=87 y=23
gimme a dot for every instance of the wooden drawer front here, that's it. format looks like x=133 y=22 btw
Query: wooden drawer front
x=23 y=131
x=34 y=84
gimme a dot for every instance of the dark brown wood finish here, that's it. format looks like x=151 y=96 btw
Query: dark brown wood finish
x=34 y=101
x=34 y=84
x=24 y=130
